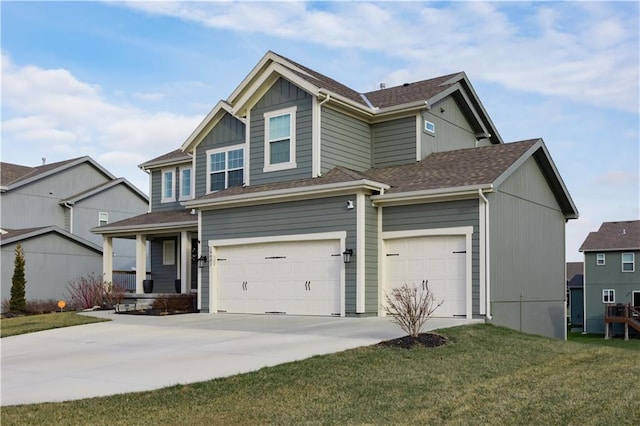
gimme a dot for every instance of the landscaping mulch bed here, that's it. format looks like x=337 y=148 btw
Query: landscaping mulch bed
x=428 y=340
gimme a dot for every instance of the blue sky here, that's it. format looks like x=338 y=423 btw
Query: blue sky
x=125 y=82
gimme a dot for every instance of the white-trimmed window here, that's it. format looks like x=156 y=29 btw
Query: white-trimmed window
x=628 y=262
x=186 y=192
x=600 y=259
x=225 y=168
x=280 y=139
x=103 y=218
x=168 y=184
x=168 y=252
x=429 y=126
x=608 y=296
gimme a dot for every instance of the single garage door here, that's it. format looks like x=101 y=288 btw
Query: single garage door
x=439 y=259
x=300 y=278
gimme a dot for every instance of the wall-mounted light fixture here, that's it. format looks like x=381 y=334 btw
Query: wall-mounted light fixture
x=202 y=261
x=346 y=255
x=349 y=204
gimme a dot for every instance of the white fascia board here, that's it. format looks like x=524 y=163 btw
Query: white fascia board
x=280 y=195
x=146 y=167
x=53 y=230
x=149 y=228
x=516 y=164
x=401 y=198
x=408 y=108
x=205 y=126
x=264 y=81
x=601 y=250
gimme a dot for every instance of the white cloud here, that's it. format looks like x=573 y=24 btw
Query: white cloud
x=50 y=113
x=586 y=52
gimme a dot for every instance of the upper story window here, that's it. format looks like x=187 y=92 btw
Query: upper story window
x=103 y=218
x=225 y=168
x=628 y=262
x=280 y=139
x=429 y=126
x=168 y=183
x=185 y=183
x=600 y=259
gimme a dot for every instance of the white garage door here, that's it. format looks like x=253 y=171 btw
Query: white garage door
x=300 y=278
x=439 y=259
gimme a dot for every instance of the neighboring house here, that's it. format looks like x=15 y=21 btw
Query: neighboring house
x=611 y=272
x=50 y=209
x=302 y=196
x=575 y=295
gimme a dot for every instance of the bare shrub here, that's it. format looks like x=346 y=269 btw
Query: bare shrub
x=173 y=303
x=410 y=307
x=92 y=290
x=39 y=306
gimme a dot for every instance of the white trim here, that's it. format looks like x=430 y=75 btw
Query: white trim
x=611 y=293
x=361 y=259
x=226 y=150
x=100 y=220
x=291 y=164
x=181 y=170
x=199 y=296
x=604 y=259
x=213 y=265
x=466 y=231
x=427 y=125
x=141 y=262
x=163 y=184
x=247 y=152
x=381 y=264
x=482 y=228
x=418 y=137
x=316 y=134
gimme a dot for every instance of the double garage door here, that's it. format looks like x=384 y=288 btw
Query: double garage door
x=299 y=278
x=439 y=261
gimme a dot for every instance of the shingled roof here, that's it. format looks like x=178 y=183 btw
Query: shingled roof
x=153 y=219
x=410 y=92
x=174 y=156
x=623 y=235
x=14 y=173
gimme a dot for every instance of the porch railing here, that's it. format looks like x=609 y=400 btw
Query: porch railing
x=126 y=280
x=628 y=315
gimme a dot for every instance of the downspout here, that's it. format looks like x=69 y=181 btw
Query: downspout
x=319 y=144
x=70 y=207
x=487 y=258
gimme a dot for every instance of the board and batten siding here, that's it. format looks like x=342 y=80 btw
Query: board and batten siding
x=452 y=129
x=527 y=246
x=293 y=218
x=345 y=141
x=448 y=214
x=608 y=277
x=228 y=131
x=394 y=142
x=281 y=95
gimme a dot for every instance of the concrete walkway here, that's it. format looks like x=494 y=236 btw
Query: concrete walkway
x=137 y=353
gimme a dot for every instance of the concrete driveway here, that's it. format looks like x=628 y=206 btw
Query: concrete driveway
x=138 y=353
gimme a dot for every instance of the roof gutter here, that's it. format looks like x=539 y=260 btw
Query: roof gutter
x=470 y=191
x=487 y=256
x=70 y=207
x=279 y=195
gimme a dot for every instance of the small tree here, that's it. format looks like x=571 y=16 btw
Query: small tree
x=410 y=307
x=18 y=302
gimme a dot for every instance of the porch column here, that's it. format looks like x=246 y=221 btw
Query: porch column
x=185 y=262
x=141 y=262
x=107 y=258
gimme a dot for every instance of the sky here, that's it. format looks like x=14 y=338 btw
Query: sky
x=124 y=82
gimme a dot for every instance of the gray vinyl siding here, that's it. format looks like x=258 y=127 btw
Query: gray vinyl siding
x=527 y=250
x=300 y=217
x=51 y=261
x=163 y=276
x=36 y=204
x=394 y=142
x=228 y=132
x=608 y=276
x=345 y=141
x=371 y=267
x=452 y=129
x=281 y=95
x=441 y=215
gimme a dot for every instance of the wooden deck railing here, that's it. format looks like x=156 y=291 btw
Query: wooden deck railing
x=624 y=314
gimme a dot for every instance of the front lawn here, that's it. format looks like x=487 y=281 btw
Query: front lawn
x=598 y=339
x=30 y=323
x=485 y=375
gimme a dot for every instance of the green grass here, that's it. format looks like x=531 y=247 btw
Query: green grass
x=486 y=375
x=598 y=339
x=32 y=323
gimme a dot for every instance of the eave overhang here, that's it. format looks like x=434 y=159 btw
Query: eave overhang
x=150 y=228
x=430 y=195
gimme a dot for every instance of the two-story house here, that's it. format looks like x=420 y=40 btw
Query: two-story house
x=50 y=210
x=309 y=198
x=611 y=273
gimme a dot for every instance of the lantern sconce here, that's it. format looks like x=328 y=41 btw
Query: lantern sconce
x=346 y=255
x=202 y=261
